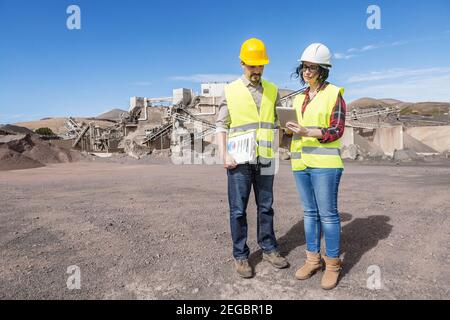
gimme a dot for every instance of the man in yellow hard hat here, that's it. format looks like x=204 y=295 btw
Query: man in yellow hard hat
x=246 y=123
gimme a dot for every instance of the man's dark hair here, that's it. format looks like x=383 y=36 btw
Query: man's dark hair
x=323 y=74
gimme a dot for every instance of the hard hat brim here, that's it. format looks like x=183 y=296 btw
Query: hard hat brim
x=260 y=62
x=320 y=64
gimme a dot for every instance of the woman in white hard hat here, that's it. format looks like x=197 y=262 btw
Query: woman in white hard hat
x=316 y=161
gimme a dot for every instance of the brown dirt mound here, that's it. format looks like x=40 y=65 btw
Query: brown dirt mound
x=45 y=152
x=391 y=101
x=426 y=108
x=367 y=103
x=57 y=124
x=21 y=144
x=30 y=151
x=12 y=129
x=113 y=114
x=12 y=160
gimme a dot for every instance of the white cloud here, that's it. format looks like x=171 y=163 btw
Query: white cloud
x=369 y=47
x=396 y=73
x=203 y=78
x=343 y=56
x=408 y=85
x=350 y=53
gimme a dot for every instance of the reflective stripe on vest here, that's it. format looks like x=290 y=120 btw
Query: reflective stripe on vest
x=317 y=114
x=245 y=117
x=322 y=151
x=266 y=144
x=252 y=126
x=296 y=155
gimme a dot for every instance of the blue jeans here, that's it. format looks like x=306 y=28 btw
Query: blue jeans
x=240 y=181
x=318 y=189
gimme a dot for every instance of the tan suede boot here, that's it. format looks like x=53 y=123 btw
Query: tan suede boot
x=276 y=260
x=332 y=269
x=312 y=264
x=243 y=268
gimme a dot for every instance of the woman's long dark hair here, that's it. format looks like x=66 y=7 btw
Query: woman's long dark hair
x=323 y=74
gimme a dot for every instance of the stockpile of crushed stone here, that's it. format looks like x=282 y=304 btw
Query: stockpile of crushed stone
x=12 y=160
x=12 y=129
x=113 y=114
x=20 y=149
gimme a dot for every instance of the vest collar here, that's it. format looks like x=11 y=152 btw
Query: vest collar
x=321 y=88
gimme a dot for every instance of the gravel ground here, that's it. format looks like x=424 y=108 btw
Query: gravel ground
x=160 y=231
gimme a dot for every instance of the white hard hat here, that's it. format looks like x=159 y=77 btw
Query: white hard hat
x=317 y=53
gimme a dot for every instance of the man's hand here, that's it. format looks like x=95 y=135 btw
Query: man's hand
x=297 y=129
x=229 y=162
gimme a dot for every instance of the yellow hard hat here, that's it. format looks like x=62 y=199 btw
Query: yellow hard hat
x=253 y=52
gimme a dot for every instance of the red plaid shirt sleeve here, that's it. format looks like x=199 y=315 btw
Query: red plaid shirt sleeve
x=337 y=122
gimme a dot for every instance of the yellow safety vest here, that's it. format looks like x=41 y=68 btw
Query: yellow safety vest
x=307 y=151
x=246 y=118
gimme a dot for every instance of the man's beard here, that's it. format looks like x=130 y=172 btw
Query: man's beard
x=255 y=77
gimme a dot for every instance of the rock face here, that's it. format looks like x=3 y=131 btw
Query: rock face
x=133 y=149
x=351 y=152
x=362 y=149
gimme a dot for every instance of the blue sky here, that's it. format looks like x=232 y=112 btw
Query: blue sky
x=147 y=48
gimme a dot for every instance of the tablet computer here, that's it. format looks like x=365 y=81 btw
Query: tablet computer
x=286 y=115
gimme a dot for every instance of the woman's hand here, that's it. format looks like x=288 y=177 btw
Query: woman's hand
x=297 y=129
x=288 y=132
